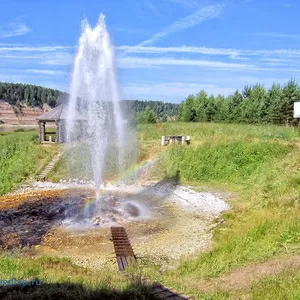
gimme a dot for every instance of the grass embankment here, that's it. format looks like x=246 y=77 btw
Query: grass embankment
x=60 y=279
x=261 y=164
x=21 y=157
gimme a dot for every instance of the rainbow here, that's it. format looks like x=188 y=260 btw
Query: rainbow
x=133 y=171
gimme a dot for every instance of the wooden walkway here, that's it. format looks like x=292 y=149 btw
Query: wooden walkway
x=125 y=256
x=123 y=249
x=42 y=176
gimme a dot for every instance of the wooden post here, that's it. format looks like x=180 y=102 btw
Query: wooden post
x=58 y=138
x=42 y=132
x=50 y=138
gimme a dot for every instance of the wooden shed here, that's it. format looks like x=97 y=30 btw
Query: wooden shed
x=54 y=116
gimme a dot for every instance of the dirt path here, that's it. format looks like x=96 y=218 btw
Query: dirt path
x=244 y=278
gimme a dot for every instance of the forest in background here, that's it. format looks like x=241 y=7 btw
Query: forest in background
x=253 y=105
x=17 y=94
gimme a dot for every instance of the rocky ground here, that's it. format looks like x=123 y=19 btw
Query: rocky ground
x=166 y=221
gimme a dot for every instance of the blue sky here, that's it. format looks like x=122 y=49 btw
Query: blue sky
x=166 y=49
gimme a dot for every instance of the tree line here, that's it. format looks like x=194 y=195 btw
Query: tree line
x=32 y=95
x=150 y=111
x=254 y=104
x=36 y=96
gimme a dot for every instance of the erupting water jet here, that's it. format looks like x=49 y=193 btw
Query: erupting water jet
x=94 y=119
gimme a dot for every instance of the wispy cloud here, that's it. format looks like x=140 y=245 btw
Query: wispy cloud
x=138 y=62
x=152 y=7
x=181 y=49
x=201 y=15
x=13 y=29
x=192 y=4
x=58 y=58
x=279 y=35
x=45 y=72
x=172 y=91
x=23 y=48
x=132 y=30
x=233 y=53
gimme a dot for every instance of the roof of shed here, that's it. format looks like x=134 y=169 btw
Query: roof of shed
x=60 y=113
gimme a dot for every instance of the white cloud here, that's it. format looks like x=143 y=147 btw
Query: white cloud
x=201 y=15
x=45 y=72
x=22 y=48
x=132 y=30
x=138 y=62
x=18 y=57
x=181 y=49
x=279 y=35
x=58 y=59
x=240 y=54
x=152 y=7
x=192 y=4
x=13 y=29
x=172 y=91
x=52 y=58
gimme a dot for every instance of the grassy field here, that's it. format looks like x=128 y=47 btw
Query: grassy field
x=260 y=167
x=21 y=157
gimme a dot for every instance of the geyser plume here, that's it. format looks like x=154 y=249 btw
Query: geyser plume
x=95 y=126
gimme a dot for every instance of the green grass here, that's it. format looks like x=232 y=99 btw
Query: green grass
x=76 y=161
x=260 y=164
x=213 y=131
x=60 y=279
x=21 y=156
x=283 y=286
x=236 y=162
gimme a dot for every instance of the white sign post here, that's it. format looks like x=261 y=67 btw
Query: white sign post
x=296 y=109
x=297 y=114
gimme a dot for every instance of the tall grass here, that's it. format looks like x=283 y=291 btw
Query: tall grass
x=235 y=161
x=20 y=156
x=200 y=131
x=261 y=165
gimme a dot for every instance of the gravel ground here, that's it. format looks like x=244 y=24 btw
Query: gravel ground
x=179 y=224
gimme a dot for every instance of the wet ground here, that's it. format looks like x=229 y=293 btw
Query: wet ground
x=164 y=221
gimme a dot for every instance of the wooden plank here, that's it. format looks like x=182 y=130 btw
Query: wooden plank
x=122 y=247
x=124 y=261
x=164 y=294
x=120 y=264
x=157 y=290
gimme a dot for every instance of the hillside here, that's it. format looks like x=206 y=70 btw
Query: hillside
x=22 y=103
x=22 y=115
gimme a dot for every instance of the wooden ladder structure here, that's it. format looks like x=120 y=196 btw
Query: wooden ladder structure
x=123 y=249
x=125 y=257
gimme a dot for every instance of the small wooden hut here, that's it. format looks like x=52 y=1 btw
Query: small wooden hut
x=54 y=116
